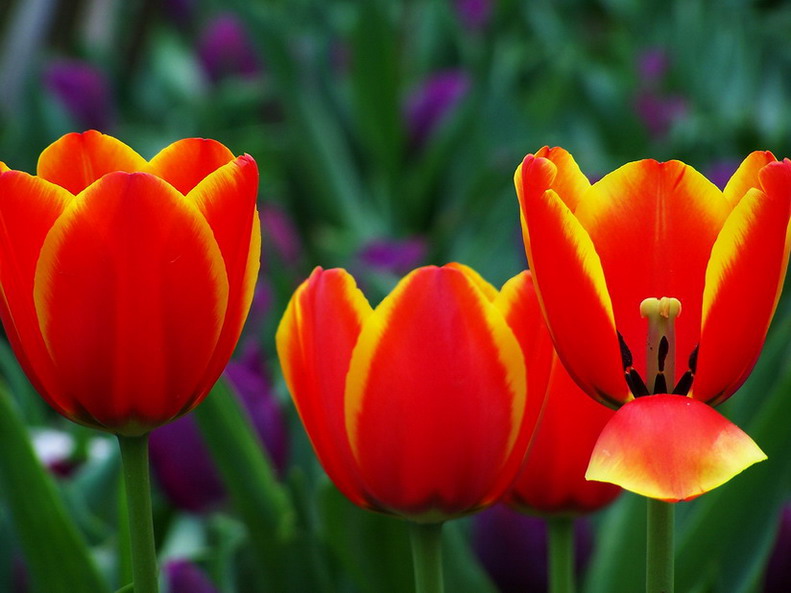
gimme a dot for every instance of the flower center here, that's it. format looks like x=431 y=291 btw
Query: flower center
x=660 y=351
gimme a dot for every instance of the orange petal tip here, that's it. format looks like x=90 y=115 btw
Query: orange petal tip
x=671 y=448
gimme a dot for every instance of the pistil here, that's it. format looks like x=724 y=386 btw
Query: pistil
x=661 y=342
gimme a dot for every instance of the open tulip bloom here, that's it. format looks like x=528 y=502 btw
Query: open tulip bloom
x=415 y=408
x=126 y=282
x=658 y=290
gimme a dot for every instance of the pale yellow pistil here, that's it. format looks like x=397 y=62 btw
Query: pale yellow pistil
x=661 y=343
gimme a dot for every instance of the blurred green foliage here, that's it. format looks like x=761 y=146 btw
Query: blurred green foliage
x=323 y=95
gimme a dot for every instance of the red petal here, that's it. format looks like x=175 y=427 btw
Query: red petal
x=29 y=206
x=314 y=343
x=570 y=284
x=187 y=162
x=569 y=183
x=671 y=448
x=76 y=160
x=435 y=398
x=653 y=225
x=552 y=479
x=227 y=199
x=131 y=293
x=743 y=284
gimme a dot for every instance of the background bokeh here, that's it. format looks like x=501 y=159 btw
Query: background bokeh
x=387 y=134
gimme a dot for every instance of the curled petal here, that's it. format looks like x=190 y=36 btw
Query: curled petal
x=745 y=177
x=671 y=448
x=743 y=283
x=76 y=160
x=314 y=343
x=185 y=163
x=570 y=184
x=435 y=398
x=130 y=268
x=570 y=284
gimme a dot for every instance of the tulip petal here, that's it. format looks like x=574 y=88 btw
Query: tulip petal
x=746 y=176
x=314 y=343
x=671 y=448
x=653 y=225
x=552 y=479
x=518 y=302
x=227 y=200
x=570 y=285
x=743 y=284
x=29 y=206
x=435 y=398
x=131 y=268
x=187 y=162
x=570 y=184
x=489 y=291
x=74 y=161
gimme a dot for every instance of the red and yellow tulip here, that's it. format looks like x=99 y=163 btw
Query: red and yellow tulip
x=552 y=478
x=126 y=282
x=654 y=254
x=417 y=407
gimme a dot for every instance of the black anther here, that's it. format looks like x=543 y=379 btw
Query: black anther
x=635 y=382
x=660 y=385
x=684 y=383
x=626 y=355
x=664 y=346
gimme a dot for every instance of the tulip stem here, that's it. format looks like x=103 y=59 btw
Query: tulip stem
x=427 y=557
x=561 y=554
x=659 y=559
x=134 y=456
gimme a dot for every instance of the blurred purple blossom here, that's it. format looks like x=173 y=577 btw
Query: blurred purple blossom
x=398 y=256
x=720 y=172
x=279 y=230
x=84 y=92
x=659 y=112
x=180 y=12
x=180 y=459
x=185 y=577
x=429 y=103
x=474 y=14
x=512 y=547
x=652 y=65
x=225 y=49
x=778 y=570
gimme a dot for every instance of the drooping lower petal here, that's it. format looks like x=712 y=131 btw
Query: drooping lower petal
x=185 y=163
x=743 y=283
x=130 y=268
x=435 y=398
x=570 y=284
x=653 y=225
x=671 y=448
x=74 y=161
x=314 y=343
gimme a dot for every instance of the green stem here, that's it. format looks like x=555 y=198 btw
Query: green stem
x=134 y=455
x=561 y=554
x=427 y=557
x=659 y=559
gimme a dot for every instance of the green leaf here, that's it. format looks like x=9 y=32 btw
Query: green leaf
x=55 y=552
x=262 y=502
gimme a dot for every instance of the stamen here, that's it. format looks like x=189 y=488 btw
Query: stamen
x=635 y=383
x=661 y=342
x=626 y=354
x=685 y=382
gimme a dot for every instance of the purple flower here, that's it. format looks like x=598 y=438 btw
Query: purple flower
x=184 y=577
x=512 y=547
x=659 y=112
x=474 y=14
x=652 y=65
x=720 y=172
x=180 y=459
x=778 y=571
x=279 y=230
x=83 y=91
x=180 y=12
x=431 y=102
x=225 y=49
x=397 y=256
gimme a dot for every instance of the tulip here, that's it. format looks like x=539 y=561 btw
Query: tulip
x=225 y=49
x=185 y=577
x=705 y=267
x=431 y=103
x=415 y=408
x=125 y=285
x=126 y=282
x=552 y=479
x=84 y=92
